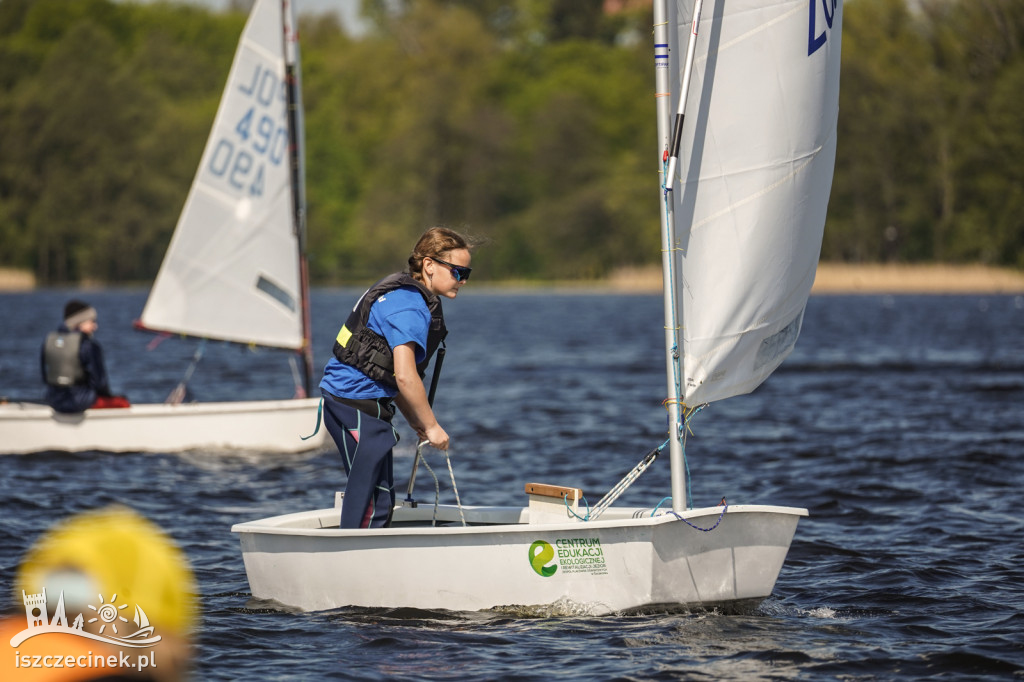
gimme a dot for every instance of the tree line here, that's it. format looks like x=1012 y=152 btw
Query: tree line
x=529 y=123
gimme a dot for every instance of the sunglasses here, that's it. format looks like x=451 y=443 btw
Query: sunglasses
x=459 y=272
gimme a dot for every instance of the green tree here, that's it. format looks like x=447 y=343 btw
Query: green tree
x=427 y=82
x=977 y=47
x=587 y=136
x=72 y=177
x=527 y=122
x=876 y=210
x=93 y=172
x=927 y=166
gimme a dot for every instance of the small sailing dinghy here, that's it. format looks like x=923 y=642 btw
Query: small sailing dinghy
x=754 y=146
x=235 y=271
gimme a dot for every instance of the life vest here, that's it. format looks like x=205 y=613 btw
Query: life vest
x=366 y=350
x=60 y=353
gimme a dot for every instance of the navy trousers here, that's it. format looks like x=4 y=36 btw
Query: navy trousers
x=366 y=445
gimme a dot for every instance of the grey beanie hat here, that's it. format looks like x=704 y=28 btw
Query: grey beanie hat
x=77 y=312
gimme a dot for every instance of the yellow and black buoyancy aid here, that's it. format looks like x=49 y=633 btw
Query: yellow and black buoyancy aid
x=366 y=350
x=62 y=362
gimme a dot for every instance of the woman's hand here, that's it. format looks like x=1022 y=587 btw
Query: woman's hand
x=436 y=436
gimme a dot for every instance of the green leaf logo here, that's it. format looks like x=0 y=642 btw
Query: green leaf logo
x=540 y=554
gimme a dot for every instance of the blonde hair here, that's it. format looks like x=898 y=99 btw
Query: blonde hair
x=436 y=242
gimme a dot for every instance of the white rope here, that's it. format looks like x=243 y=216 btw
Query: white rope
x=457 y=500
x=622 y=485
x=437 y=486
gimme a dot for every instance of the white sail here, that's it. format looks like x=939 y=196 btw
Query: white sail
x=753 y=181
x=232 y=269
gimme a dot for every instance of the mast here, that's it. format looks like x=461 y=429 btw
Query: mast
x=664 y=23
x=684 y=90
x=296 y=152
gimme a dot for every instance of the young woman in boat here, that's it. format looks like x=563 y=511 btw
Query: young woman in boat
x=72 y=364
x=379 y=358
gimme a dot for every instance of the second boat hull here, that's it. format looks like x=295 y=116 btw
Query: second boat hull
x=256 y=426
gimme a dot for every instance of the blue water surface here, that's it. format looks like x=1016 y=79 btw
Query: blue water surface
x=898 y=422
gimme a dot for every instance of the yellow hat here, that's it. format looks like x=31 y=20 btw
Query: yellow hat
x=113 y=553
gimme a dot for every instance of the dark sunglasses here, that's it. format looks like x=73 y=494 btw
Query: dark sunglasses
x=459 y=272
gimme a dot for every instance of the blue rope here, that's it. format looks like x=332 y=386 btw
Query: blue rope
x=663 y=501
x=689 y=479
x=565 y=498
x=686 y=462
x=319 y=415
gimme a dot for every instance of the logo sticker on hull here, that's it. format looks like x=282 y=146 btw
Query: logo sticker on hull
x=571 y=555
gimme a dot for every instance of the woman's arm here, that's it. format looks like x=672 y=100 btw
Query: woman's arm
x=412 y=397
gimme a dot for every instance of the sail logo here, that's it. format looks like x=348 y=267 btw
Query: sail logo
x=541 y=553
x=822 y=15
x=103 y=621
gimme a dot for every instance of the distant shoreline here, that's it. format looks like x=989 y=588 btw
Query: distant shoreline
x=832 y=278
x=16 y=280
x=870 y=278
x=917 y=279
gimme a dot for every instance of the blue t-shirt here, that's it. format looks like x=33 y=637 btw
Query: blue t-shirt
x=400 y=316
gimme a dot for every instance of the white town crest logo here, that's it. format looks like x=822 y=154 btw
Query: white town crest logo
x=106 y=617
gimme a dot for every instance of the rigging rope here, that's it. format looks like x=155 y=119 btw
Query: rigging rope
x=565 y=498
x=319 y=418
x=300 y=390
x=626 y=481
x=703 y=530
x=179 y=392
x=723 y=503
x=643 y=465
x=685 y=428
x=437 y=485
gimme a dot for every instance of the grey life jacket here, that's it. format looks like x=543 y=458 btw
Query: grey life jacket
x=60 y=353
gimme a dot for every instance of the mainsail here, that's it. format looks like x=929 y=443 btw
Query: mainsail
x=232 y=271
x=753 y=179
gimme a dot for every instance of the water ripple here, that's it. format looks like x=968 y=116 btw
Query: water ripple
x=896 y=422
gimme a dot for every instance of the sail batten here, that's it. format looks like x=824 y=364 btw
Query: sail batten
x=232 y=270
x=754 y=176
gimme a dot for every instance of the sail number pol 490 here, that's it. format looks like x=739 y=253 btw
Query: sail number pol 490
x=258 y=136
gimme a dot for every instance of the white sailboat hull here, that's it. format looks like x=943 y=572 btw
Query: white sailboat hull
x=258 y=426
x=610 y=565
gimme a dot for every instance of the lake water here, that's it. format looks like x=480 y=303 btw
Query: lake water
x=898 y=423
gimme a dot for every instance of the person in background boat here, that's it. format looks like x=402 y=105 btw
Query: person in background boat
x=379 y=359
x=72 y=364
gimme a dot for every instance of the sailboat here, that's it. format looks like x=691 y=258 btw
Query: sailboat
x=746 y=166
x=141 y=621
x=235 y=271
